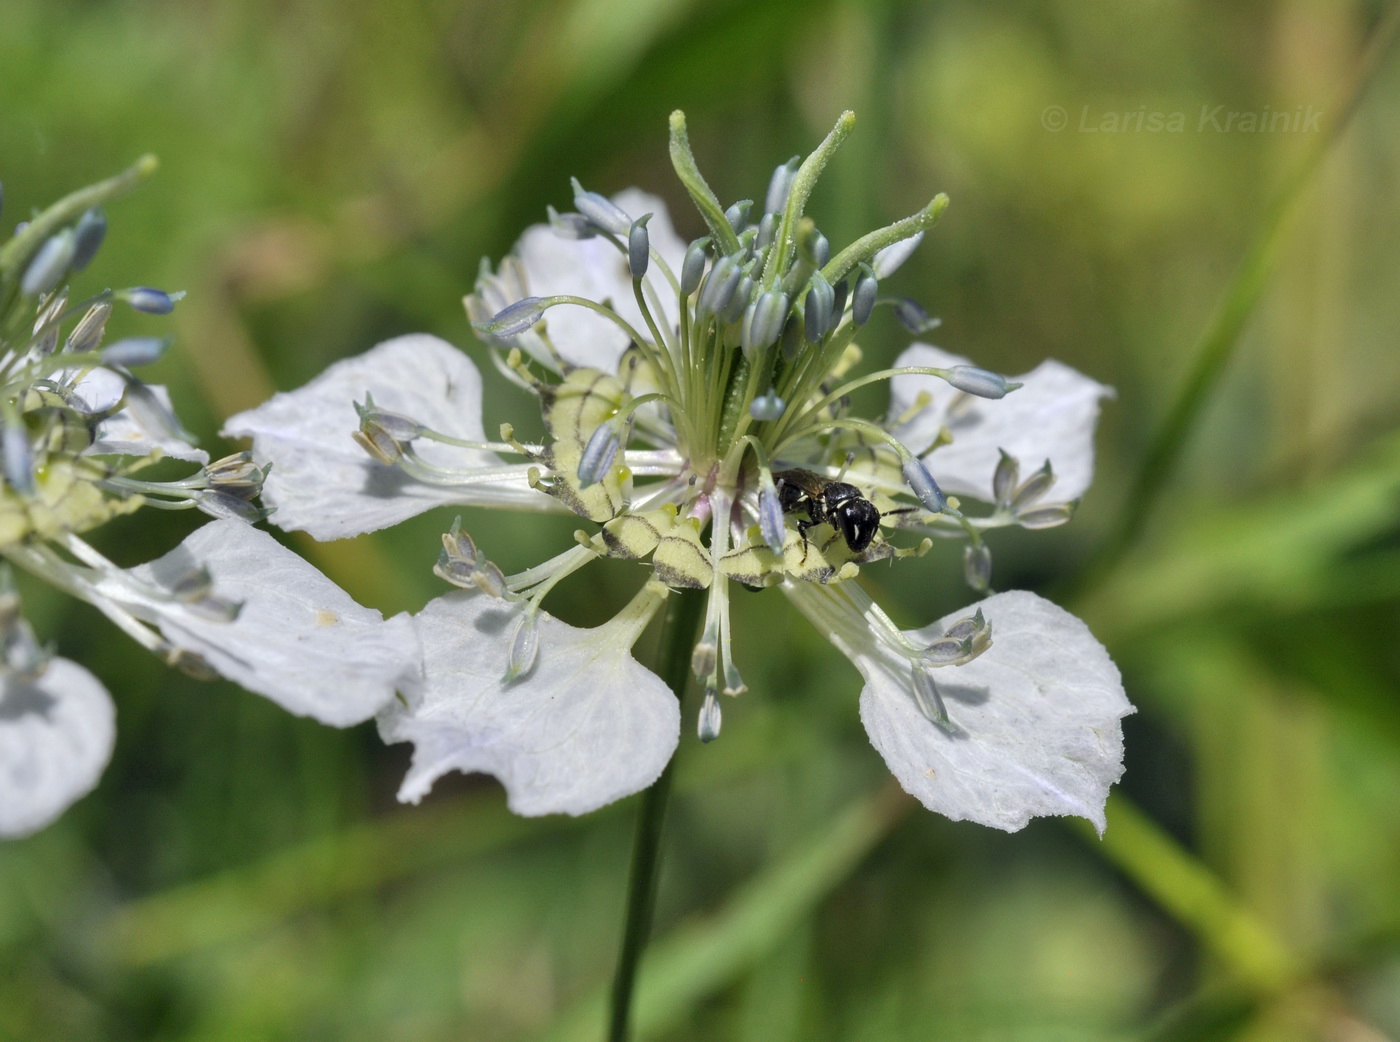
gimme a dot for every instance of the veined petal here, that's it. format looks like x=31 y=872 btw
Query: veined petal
x=299 y=639
x=1035 y=720
x=595 y=268
x=56 y=736
x=322 y=482
x=1051 y=417
x=585 y=726
x=128 y=433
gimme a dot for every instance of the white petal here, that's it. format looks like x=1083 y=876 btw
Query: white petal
x=1036 y=719
x=128 y=433
x=322 y=482
x=299 y=639
x=586 y=726
x=889 y=260
x=597 y=270
x=56 y=736
x=1052 y=417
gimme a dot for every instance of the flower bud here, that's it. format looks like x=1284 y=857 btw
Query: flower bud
x=925 y=488
x=151 y=301
x=763 y=321
x=601 y=210
x=737 y=303
x=738 y=214
x=913 y=317
x=639 y=247
x=863 y=299
x=50 y=264
x=982 y=382
x=779 y=185
x=693 y=267
x=515 y=319
x=817 y=311
x=1004 y=478
x=88 y=234
x=135 y=351
x=767 y=406
x=720 y=286
x=570 y=225
x=887 y=261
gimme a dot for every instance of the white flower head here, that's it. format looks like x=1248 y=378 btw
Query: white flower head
x=695 y=399
x=78 y=430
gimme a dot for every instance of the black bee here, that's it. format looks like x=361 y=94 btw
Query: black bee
x=836 y=503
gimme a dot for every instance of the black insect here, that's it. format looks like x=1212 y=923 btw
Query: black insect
x=836 y=503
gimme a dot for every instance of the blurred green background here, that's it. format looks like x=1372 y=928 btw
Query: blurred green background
x=331 y=174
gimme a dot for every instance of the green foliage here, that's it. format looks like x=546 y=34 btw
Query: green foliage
x=330 y=175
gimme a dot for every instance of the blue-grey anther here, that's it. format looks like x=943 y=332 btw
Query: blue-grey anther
x=18 y=457
x=779 y=185
x=982 y=382
x=764 y=320
x=738 y=214
x=1032 y=488
x=50 y=264
x=927 y=698
x=923 y=486
x=1004 y=478
x=639 y=247
x=693 y=267
x=135 y=351
x=977 y=566
x=913 y=317
x=863 y=298
x=598 y=454
x=734 y=310
x=601 y=210
x=720 y=286
x=708 y=725
x=515 y=319
x=151 y=301
x=524 y=646
x=817 y=312
x=767 y=406
x=88 y=234
x=770 y=519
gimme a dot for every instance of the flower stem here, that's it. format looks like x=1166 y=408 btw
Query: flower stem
x=678 y=631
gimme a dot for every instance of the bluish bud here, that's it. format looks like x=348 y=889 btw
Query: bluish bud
x=821 y=250
x=135 y=351
x=767 y=228
x=863 y=298
x=742 y=292
x=767 y=406
x=779 y=185
x=790 y=343
x=770 y=519
x=18 y=458
x=49 y=265
x=763 y=320
x=639 y=247
x=524 y=646
x=923 y=486
x=693 y=267
x=720 y=286
x=515 y=319
x=88 y=234
x=913 y=317
x=816 y=312
x=707 y=727
x=601 y=210
x=151 y=301
x=838 y=305
x=738 y=214
x=571 y=225
x=982 y=382
x=887 y=261
x=598 y=454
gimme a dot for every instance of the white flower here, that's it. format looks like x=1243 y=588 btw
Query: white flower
x=78 y=430
x=695 y=403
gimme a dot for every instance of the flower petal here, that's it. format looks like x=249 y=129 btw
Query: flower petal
x=299 y=639
x=56 y=736
x=585 y=726
x=596 y=269
x=1036 y=719
x=1051 y=417
x=322 y=482
x=128 y=432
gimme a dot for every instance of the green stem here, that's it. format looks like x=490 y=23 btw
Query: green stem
x=678 y=631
